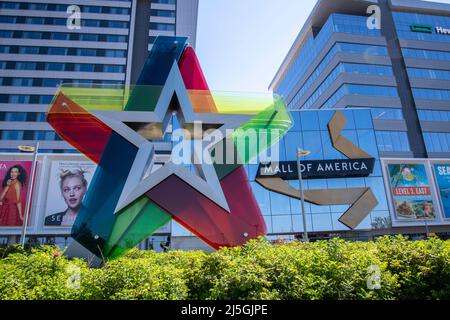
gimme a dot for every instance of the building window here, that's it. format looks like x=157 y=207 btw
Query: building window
x=431 y=94
x=28 y=50
x=162 y=13
x=162 y=26
x=425 y=54
x=54 y=66
x=12 y=135
x=22 y=82
x=356 y=89
x=25 y=65
x=433 y=115
x=392 y=141
x=165 y=1
x=429 y=73
x=437 y=142
x=386 y=114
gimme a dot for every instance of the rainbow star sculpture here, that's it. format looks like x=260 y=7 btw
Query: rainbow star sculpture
x=119 y=128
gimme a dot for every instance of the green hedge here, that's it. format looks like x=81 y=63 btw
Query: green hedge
x=332 y=269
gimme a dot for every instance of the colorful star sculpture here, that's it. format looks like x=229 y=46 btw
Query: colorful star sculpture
x=119 y=127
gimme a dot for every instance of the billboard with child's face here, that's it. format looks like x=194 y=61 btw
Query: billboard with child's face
x=68 y=183
x=14 y=187
x=411 y=192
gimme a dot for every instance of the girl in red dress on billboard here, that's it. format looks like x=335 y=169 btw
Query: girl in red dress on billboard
x=12 y=197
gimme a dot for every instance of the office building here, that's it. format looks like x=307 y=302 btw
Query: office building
x=42 y=47
x=401 y=70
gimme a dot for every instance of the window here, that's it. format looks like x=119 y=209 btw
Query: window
x=22 y=82
x=51 y=82
x=344 y=68
x=88 y=37
x=59 y=36
x=437 y=142
x=302 y=62
x=12 y=135
x=116 y=38
x=425 y=54
x=34 y=20
x=112 y=68
x=90 y=23
x=9 y=5
x=392 y=141
x=84 y=67
x=54 y=66
x=37 y=6
x=165 y=1
x=162 y=26
x=19 y=98
x=91 y=9
x=119 y=11
x=117 y=24
x=429 y=73
x=115 y=53
x=29 y=50
x=26 y=65
x=86 y=52
x=45 y=99
x=32 y=35
x=162 y=13
x=431 y=94
x=433 y=115
x=57 y=51
x=387 y=114
x=44 y=135
x=14 y=116
x=356 y=89
x=6 y=34
x=7 y=19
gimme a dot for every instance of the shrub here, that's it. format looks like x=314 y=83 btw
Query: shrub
x=333 y=269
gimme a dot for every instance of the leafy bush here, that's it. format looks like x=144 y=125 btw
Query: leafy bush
x=333 y=269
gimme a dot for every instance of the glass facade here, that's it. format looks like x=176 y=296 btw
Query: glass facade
x=393 y=141
x=434 y=115
x=298 y=79
x=418 y=69
x=346 y=68
x=315 y=43
x=404 y=21
x=338 y=47
x=358 y=89
x=283 y=214
x=437 y=142
x=429 y=73
x=431 y=94
x=387 y=114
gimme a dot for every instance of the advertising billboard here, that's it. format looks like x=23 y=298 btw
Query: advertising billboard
x=14 y=188
x=442 y=173
x=411 y=192
x=68 y=183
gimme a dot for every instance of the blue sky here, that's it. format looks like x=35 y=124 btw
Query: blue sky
x=241 y=43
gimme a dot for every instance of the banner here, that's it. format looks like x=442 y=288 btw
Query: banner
x=442 y=172
x=411 y=191
x=68 y=183
x=14 y=188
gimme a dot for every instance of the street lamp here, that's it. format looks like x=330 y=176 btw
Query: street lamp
x=33 y=149
x=302 y=153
